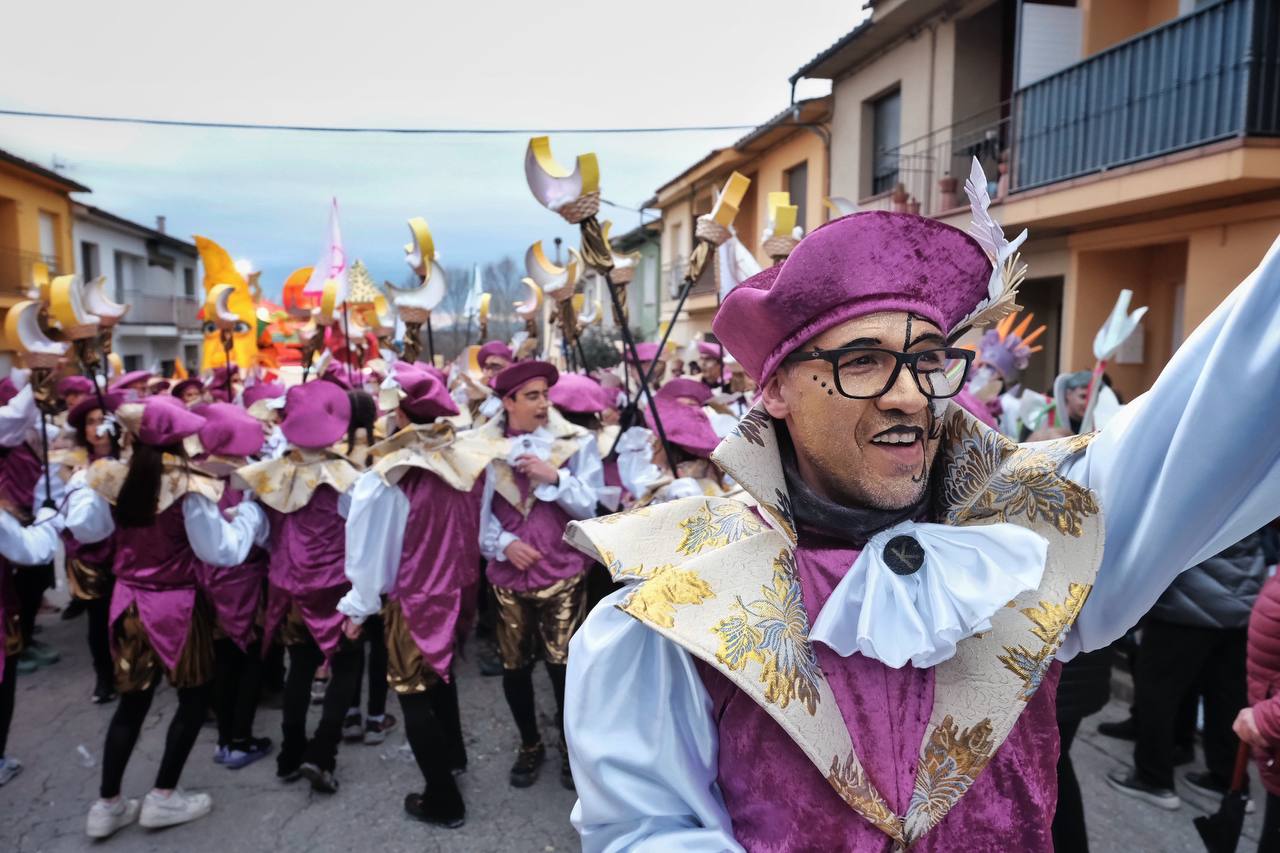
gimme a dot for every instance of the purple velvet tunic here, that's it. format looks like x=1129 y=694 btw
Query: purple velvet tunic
x=235 y=592
x=19 y=473
x=308 y=551
x=544 y=530
x=436 y=580
x=155 y=568
x=886 y=710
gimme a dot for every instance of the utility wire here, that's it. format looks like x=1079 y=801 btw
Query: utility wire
x=412 y=131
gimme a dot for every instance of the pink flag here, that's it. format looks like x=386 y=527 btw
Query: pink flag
x=333 y=261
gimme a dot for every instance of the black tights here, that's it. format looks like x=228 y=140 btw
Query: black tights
x=372 y=634
x=1069 y=835
x=236 y=682
x=30 y=583
x=322 y=749
x=517 y=685
x=98 y=612
x=428 y=737
x=444 y=704
x=8 y=685
x=126 y=725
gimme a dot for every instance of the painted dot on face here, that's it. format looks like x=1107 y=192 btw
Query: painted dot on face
x=830 y=392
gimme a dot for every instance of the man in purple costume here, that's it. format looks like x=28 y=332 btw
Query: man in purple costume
x=866 y=659
x=551 y=475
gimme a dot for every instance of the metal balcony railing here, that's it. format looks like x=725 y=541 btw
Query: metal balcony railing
x=17 y=268
x=151 y=309
x=1207 y=76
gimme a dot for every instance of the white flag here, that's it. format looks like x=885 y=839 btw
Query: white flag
x=332 y=263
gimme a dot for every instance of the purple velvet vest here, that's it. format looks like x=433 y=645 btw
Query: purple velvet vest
x=155 y=568
x=234 y=592
x=439 y=566
x=308 y=552
x=19 y=472
x=886 y=711
x=544 y=530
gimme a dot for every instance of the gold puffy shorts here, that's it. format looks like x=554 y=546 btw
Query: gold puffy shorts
x=407 y=671
x=88 y=582
x=139 y=667
x=539 y=620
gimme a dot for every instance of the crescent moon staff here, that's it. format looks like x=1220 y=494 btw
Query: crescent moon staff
x=415 y=306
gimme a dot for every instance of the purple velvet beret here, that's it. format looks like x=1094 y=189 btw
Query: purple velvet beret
x=686 y=426
x=261 y=391
x=495 y=348
x=646 y=351
x=164 y=423
x=578 y=394
x=80 y=411
x=315 y=414
x=341 y=375
x=512 y=378
x=74 y=385
x=426 y=397
x=131 y=378
x=229 y=430
x=706 y=349
x=190 y=382
x=679 y=387
x=851 y=267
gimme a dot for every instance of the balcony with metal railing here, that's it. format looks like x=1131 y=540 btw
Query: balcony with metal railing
x=1202 y=78
x=17 y=269
x=149 y=309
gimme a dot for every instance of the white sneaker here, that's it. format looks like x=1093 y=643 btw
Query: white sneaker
x=9 y=767
x=178 y=807
x=106 y=818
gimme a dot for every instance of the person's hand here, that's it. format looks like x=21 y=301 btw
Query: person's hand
x=537 y=470
x=1247 y=729
x=523 y=555
x=350 y=629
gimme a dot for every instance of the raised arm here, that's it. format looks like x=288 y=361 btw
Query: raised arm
x=217 y=541
x=581 y=478
x=1191 y=466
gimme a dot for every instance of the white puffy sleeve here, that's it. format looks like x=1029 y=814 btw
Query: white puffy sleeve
x=375 y=540
x=1190 y=467
x=578 y=489
x=642 y=741
x=88 y=514
x=215 y=540
x=17 y=417
x=33 y=544
x=493 y=538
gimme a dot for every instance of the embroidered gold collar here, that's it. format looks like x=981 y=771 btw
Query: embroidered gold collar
x=567 y=439
x=720 y=581
x=179 y=479
x=286 y=484
x=458 y=459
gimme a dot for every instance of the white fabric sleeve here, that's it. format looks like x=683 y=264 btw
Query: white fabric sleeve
x=577 y=490
x=33 y=544
x=17 y=417
x=88 y=514
x=642 y=741
x=375 y=541
x=1192 y=466
x=635 y=462
x=493 y=539
x=57 y=489
x=215 y=540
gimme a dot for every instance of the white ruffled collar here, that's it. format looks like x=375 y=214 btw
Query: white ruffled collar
x=968 y=574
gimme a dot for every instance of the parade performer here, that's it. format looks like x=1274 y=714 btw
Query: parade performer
x=304 y=493
x=550 y=476
x=229 y=437
x=165 y=519
x=493 y=357
x=89 y=575
x=649 y=355
x=646 y=473
x=413 y=537
x=711 y=365
x=190 y=391
x=1003 y=353
x=868 y=660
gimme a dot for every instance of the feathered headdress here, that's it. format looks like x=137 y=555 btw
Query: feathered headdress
x=1007 y=270
x=1008 y=348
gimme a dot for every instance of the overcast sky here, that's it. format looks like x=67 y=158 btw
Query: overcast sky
x=424 y=64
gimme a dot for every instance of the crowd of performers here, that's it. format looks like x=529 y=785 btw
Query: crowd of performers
x=205 y=522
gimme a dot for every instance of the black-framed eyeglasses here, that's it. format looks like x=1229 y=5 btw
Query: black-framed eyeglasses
x=861 y=373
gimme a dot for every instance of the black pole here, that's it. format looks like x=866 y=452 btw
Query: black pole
x=685 y=289
x=582 y=353
x=431 y=343
x=44 y=446
x=226 y=358
x=629 y=346
x=346 y=333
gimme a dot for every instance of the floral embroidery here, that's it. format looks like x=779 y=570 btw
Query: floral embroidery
x=774 y=632
x=851 y=783
x=951 y=760
x=716 y=525
x=1052 y=621
x=782 y=513
x=753 y=426
x=989 y=477
x=655 y=600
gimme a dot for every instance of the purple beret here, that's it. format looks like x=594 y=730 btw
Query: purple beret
x=315 y=415
x=190 y=382
x=164 y=423
x=261 y=391
x=74 y=385
x=426 y=397
x=513 y=377
x=686 y=426
x=706 y=349
x=578 y=394
x=229 y=430
x=80 y=411
x=341 y=375
x=851 y=267
x=497 y=348
x=645 y=350
x=679 y=387
x=131 y=378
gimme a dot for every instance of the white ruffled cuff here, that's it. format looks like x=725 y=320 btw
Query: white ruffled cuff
x=968 y=574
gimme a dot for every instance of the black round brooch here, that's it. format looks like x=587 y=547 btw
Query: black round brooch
x=904 y=555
